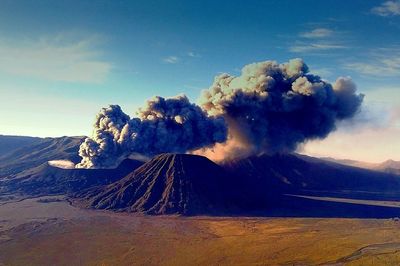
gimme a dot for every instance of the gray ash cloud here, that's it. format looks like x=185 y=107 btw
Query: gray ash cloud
x=269 y=108
x=273 y=107
x=163 y=125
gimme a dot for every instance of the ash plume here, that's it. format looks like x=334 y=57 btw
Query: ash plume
x=269 y=108
x=272 y=108
x=163 y=125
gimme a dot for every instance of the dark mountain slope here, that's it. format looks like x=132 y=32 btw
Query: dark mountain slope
x=46 y=179
x=10 y=143
x=273 y=180
x=291 y=173
x=170 y=184
x=39 y=152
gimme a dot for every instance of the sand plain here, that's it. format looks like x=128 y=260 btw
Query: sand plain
x=49 y=231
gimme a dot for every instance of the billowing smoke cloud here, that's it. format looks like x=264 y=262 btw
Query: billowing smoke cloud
x=274 y=107
x=269 y=108
x=163 y=125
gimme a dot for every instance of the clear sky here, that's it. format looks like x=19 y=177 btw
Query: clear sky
x=61 y=61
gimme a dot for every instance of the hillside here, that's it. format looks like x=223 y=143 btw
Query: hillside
x=35 y=153
x=10 y=143
x=294 y=173
x=46 y=179
x=170 y=184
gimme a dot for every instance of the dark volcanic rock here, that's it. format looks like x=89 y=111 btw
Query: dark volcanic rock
x=171 y=184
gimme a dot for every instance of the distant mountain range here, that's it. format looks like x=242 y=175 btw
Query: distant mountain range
x=388 y=166
x=193 y=185
x=18 y=154
x=10 y=143
x=46 y=179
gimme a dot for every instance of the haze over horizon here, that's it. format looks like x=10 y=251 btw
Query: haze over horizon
x=61 y=63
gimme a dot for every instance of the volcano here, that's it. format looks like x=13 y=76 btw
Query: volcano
x=193 y=185
x=171 y=184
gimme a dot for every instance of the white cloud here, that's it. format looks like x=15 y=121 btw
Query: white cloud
x=314 y=47
x=388 y=95
x=317 y=33
x=193 y=54
x=171 y=59
x=372 y=68
x=382 y=63
x=318 y=40
x=322 y=72
x=388 y=8
x=55 y=59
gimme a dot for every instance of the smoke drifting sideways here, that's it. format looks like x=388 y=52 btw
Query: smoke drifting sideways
x=272 y=108
x=163 y=125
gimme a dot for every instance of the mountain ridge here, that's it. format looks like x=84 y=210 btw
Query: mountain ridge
x=387 y=166
x=46 y=179
x=39 y=152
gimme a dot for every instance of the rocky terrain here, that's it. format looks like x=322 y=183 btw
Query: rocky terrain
x=170 y=184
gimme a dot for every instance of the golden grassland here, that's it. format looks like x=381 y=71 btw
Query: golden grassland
x=103 y=238
x=207 y=241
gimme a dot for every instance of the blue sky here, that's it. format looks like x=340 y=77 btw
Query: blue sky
x=61 y=61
